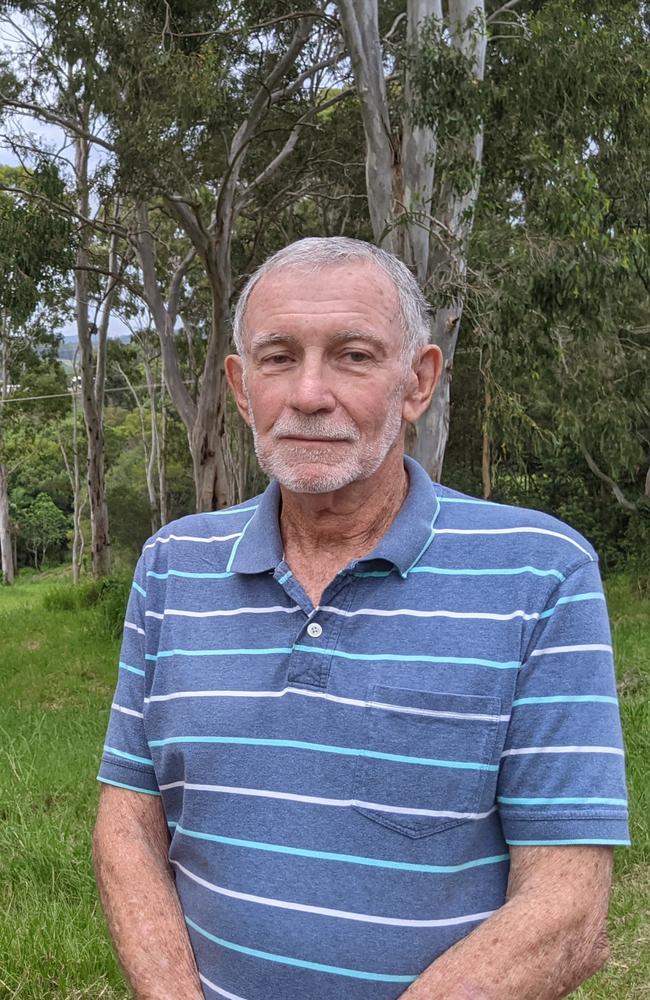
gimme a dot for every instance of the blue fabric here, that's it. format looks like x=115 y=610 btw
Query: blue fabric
x=341 y=799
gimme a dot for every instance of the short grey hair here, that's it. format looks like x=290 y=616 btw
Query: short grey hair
x=317 y=252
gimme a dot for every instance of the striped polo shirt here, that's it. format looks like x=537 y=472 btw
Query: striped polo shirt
x=342 y=782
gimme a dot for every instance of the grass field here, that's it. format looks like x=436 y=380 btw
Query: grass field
x=57 y=673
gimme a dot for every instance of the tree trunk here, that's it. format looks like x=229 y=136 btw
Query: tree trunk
x=162 y=460
x=149 y=454
x=486 y=456
x=101 y=548
x=5 y=528
x=74 y=478
x=214 y=487
x=400 y=181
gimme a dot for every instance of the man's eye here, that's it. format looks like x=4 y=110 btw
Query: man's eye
x=357 y=357
x=276 y=359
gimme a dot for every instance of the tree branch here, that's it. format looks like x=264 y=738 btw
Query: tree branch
x=54 y=118
x=604 y=478
x=61 y=206
x=176 y=283
x=292 y=88
x=502 y=10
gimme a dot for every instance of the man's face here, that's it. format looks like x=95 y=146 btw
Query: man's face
x=323 y=382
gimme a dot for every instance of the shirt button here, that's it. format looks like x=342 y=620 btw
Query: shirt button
x=314 y=630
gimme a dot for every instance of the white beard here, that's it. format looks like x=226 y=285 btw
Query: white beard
x=324 y=468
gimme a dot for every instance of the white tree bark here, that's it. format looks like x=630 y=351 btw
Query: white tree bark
x=149 y=455
x=74 y=476
x=400 y=181
x=91 y=393
x=5 y=528
x=6 y=546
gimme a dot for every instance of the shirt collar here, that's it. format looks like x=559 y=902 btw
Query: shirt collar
x=407 y=539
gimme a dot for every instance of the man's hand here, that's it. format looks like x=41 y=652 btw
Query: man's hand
x=548 y=938
x=139 y=897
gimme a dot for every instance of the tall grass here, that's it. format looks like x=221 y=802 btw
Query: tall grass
x=57 y=671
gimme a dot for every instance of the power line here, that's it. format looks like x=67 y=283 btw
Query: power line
x=77 y=392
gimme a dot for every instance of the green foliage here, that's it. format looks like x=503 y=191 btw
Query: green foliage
x=113 y=597
x=43 y=526
x=108 y=596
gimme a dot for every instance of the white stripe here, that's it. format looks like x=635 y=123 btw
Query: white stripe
x=326 y=912
x=589 y=647
x=432 y=614
x=136 y=628
x=192 y=538
x=512 y=531
x=217 y=989
x=126 y=711
x=153 y=614
x=230 y=612
x=568 y=749
x=317 y=800
x=355 y=702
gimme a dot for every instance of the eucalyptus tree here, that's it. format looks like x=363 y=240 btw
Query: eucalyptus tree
x=35 y=256
x=560 y=302
x=47 y=79
x=418 y=76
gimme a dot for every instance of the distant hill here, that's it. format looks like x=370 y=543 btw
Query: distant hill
x=69 y=345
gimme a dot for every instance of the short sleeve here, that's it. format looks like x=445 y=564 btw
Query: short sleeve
x=562 y=772
x=126 y=760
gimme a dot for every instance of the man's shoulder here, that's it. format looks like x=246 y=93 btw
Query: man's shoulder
x=210 y=527
x=516 y=526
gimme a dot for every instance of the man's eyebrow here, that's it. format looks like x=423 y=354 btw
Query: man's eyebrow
x=268 y=339
x=262 y=340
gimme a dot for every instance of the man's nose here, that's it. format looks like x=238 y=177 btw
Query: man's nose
x=311 y=391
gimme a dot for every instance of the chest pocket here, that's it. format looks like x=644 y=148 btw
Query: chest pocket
x=428 y=761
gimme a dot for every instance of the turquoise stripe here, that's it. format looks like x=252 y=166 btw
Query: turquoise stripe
x=120 y=784
x=285 y=577
x=507 y=571
x=324 y=748
x=483 y=503
x=595 y=595
x=136 y=586
x=408 y=658
x=353 y=859
x=233 y=551
x=428 y=541
x=189 y=576
x=560 y=843
x=219 y=652
x=230 y=510
x=562 y=801
x=444 y=571
x=336 y=970
x=553 y=699
x=128 y=756
x=132 y=670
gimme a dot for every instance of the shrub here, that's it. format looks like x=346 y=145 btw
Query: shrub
x=71 y=597
x=111 y=605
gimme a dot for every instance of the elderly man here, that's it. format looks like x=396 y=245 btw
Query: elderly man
x=365 y=740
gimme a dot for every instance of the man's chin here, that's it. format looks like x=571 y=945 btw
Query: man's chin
x=307 y=477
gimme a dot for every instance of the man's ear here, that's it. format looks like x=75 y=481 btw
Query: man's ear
x=235 y=374
x=421 y=382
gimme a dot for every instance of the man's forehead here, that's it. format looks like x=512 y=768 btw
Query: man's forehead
x=350 y=295
x=337 y=280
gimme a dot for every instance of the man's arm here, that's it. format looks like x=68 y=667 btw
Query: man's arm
x=139 y=897
x=547 y=939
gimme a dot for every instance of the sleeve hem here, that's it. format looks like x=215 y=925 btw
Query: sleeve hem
x=131 y=788
x=128 y=775
x=592 y=829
